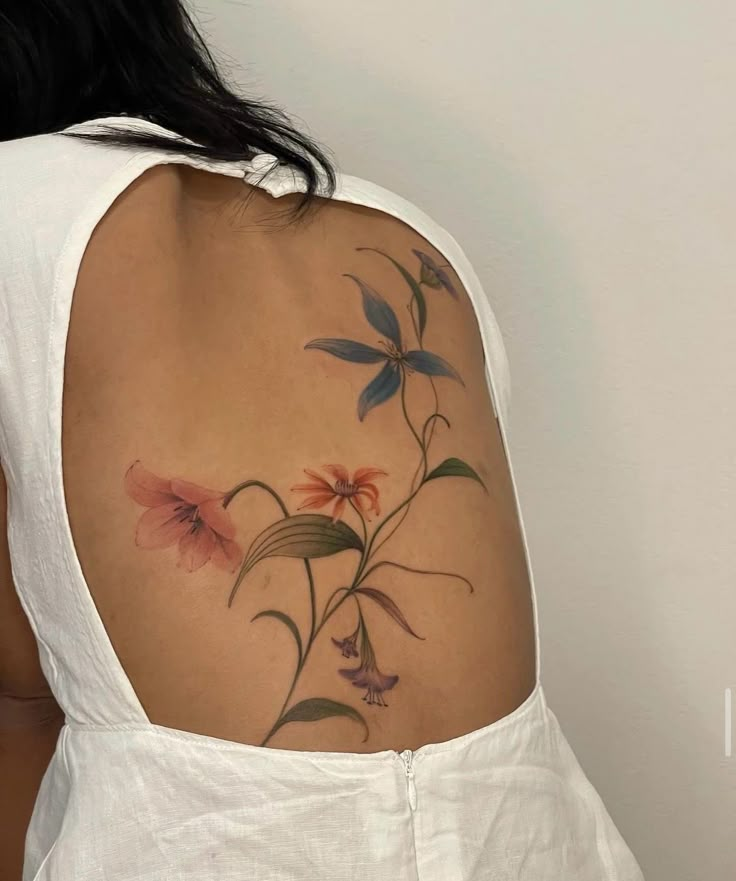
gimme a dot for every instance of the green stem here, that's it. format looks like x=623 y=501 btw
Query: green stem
x=303 y=660
x=424 y=466
x=327 y=605
x=312 y=597
x=314 y=631
x=408 y=421
x=365 y=557
x=424 y=444
x=368 y=549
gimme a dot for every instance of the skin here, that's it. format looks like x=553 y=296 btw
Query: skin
x=186 y=353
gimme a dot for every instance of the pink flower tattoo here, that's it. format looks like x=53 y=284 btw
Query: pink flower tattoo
x=183 y=513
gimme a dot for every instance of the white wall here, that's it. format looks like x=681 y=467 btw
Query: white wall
x=584 y=153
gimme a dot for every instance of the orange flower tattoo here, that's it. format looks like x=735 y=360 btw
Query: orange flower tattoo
x=360 y=489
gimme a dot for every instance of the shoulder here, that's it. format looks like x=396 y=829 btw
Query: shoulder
x=51 y=167
x=392 y=206
x=435 y=248
x=24 y=161
x=47 y=181
x=26 y=151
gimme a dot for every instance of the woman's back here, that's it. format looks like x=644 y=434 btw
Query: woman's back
x=189 y=358
x=278 y=578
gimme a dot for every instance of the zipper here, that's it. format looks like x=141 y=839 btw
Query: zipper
x=407 y=758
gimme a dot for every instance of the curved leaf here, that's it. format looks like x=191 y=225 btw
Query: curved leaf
x=315 y=708
x=302 y=535
x=418 y=572
x=348 y=350
x=453 y=467
x=388 y=605
x=285 y=619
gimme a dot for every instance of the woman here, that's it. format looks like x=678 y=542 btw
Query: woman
x=269 y=611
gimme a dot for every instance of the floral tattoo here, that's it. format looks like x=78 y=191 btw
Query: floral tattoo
x=197 y=520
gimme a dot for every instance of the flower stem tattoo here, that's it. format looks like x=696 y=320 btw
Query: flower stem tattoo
x=198 y=522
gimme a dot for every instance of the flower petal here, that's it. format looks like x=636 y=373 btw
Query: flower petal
x=216 y=517
x=346 y=646
x=339 y=508
x=339 y=472
x=378 y=312
x=348 y=350
x=311 y=487
x=446 y=283
x=317 y=501
x=371 y=491
x=193 y=493
x=370 y=503
x=195 y=548
x=432 y=365
x=145 y=487
x=369 y=488
x=162 y=526
x=442 y=277
x=319 y=479
x=370 y=678
x=383 y=386
x=429 y=275
x=363 y=474
x=359 y=503
x=226 y=554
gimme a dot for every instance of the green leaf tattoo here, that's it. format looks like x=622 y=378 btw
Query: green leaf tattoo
x=315 y=708
x=302 y=535
x=285 y=619
x=454 y=467
x=388 y=605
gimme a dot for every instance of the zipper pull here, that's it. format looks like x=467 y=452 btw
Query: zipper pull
x=408 y=759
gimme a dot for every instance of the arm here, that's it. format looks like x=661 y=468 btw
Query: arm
x=30 y=718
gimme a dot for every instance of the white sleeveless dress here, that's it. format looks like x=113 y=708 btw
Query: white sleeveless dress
x=125 y=799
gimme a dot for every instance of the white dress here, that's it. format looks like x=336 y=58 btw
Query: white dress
x=125 y=799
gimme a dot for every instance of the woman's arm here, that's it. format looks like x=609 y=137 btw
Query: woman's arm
x=30 y=718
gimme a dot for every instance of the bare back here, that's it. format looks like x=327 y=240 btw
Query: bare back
x=284 y=478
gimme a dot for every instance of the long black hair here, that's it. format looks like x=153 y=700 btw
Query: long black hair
x=64 y=62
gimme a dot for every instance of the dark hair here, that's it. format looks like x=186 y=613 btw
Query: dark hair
x=64 y=62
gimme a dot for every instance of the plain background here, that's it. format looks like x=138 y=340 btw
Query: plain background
x=584 y=154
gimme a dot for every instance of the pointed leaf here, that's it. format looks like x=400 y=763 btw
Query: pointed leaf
x=382 y=387
x=348 y=350
x=453 y=467
x=315 y=708
x=378 y=312
x=432 y=365
x=302 y=535
x=388 y=605
x=285 y=619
